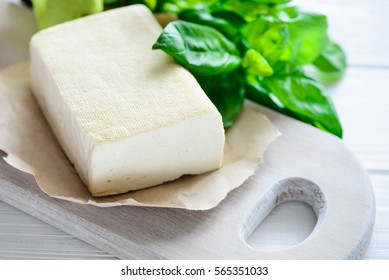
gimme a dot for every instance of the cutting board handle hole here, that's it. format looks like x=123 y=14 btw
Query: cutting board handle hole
x=287 y=198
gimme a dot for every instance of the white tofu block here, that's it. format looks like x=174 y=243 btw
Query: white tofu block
x=128 y=117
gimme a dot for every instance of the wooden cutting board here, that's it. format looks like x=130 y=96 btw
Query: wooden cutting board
x=304 y=164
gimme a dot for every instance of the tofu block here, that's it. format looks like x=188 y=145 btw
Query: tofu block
x=128 y=117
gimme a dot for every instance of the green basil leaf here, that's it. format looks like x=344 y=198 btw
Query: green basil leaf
x=278 y=43
x=298 y=96
x=249 y=10
x=255 y=29
x=120 y=3
x=177 y=6
x=257 y=93
x=226 y=22
x=288 y=34
x=271 y=2
x=268 y=37
x=305 y=98
x=332 y=59
x=307 y=34
x=201 y=49
x=256 y=64
x=227 y=92
x=273 y=44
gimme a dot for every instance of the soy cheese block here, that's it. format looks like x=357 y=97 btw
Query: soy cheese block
x=128 y=117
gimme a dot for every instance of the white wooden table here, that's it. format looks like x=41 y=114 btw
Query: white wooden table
x=361 y=97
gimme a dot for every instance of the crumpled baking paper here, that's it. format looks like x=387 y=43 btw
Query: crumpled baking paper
x=32 y=147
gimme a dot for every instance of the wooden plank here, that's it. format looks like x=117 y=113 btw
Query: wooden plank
x=25 y=237
x=379 y=244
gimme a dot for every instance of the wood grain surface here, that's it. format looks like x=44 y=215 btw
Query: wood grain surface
x=361 y=98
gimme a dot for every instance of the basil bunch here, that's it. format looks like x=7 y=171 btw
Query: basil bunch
x=263 y=50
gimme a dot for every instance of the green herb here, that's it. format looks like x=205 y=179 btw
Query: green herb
x=259 y=50
x=228 y=23
x=201 y=49
x=109 y=4
x=227 y=92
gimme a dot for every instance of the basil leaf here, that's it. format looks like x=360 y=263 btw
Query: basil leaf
x=290 y=34
x=226 y=22
x=254 y=30
x=271 y=2
x=270 y=50
x=299 y=96
x=201 y=49
x=332 y=59
x=256 y=63
x=257 y=93
x=249 y=10
x=177 y=6
x=227 y=92
x=307 y=34
x=120 y=3
x=272 y=43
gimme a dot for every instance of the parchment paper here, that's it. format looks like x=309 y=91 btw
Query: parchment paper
x=31 y=147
